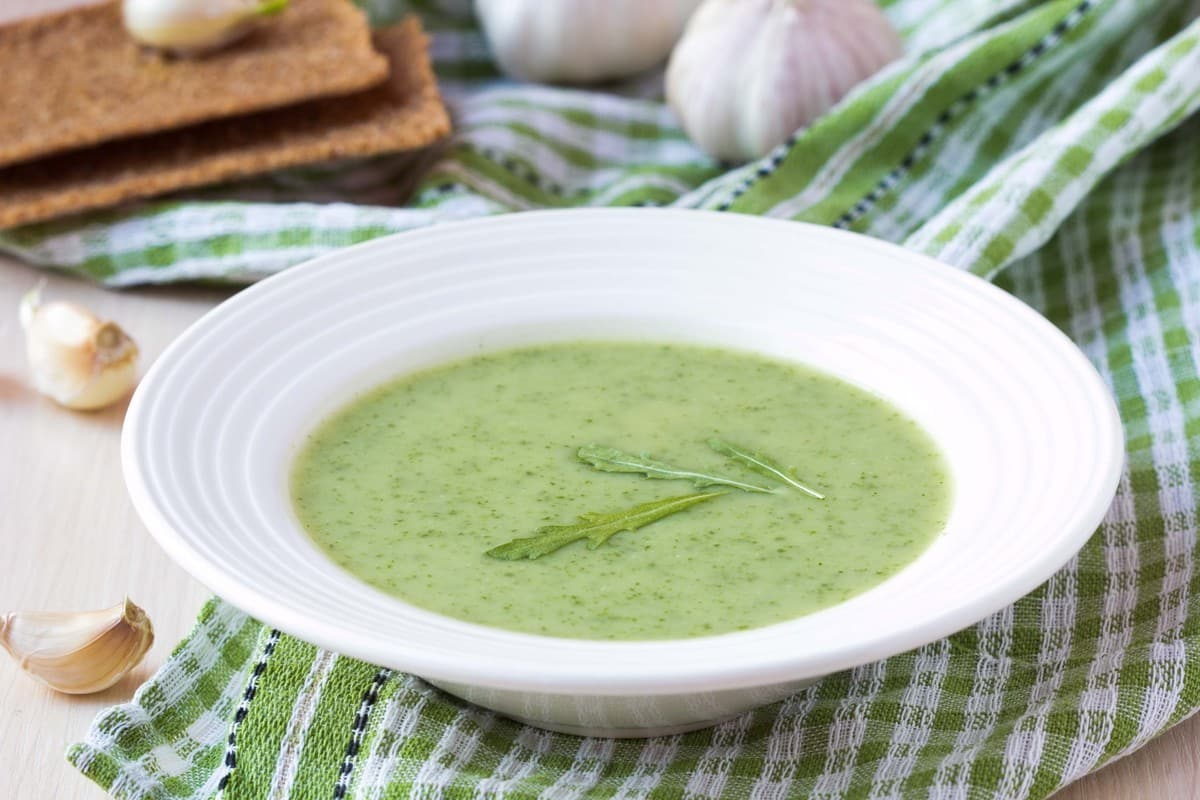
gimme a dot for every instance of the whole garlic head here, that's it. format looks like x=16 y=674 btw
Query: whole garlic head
x=749 y=73
x=581 y=41
x=77 y=359
x=191 y=27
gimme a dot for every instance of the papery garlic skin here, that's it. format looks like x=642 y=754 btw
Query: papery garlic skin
x=77 y=359
x=748 y=73
x=581 y=41
x=78 y=652
x=191 y=27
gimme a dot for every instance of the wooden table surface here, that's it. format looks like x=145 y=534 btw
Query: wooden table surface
x=71 y=540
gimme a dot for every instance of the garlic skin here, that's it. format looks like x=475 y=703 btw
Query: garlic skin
x=748 y=73
x=193 y=27
x=78 y=360
x=78 y=652
x=581 y=41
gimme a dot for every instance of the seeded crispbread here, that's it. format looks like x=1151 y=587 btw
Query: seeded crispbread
x=77 y=78
x=404 y=113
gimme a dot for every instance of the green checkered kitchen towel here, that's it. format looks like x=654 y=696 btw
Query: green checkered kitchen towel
x=1044 y=145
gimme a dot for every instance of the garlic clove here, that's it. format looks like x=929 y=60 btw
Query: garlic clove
x=748 y=73
x=80 y=361
x=192 y=27
x=78 y=652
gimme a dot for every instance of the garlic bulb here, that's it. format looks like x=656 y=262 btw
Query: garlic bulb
x=78 y=360
x=581 y=41
x=194 y=26
x=78 y=652
x=749 y=73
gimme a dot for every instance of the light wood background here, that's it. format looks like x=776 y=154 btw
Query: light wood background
x=69 y=539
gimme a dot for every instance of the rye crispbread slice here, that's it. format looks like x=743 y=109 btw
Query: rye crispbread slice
x=404 y=113
x=76 y=78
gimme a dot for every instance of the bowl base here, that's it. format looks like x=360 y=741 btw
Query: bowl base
x=624 y=733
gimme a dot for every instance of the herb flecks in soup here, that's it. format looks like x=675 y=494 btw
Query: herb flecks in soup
x=409 y=486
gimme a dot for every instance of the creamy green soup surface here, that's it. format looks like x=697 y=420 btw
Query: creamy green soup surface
x=409 y=486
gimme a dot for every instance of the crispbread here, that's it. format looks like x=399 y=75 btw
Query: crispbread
x=405 y=112
x=77 y=78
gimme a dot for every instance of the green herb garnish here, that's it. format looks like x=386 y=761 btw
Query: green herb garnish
x=596 y=528
x=271 y=7
x=761 y=464
x=610 y=459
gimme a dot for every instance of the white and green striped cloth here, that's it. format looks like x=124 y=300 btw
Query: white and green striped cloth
x=1044 y=145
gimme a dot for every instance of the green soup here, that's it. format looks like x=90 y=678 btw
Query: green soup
x=411 y=484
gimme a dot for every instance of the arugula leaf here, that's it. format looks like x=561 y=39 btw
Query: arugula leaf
x=596 y=528
x=761 y=464
x=610 y=459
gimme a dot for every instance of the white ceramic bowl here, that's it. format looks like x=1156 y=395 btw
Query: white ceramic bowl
x=1030 y=432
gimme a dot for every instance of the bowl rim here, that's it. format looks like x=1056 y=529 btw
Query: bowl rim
x=686 y=677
